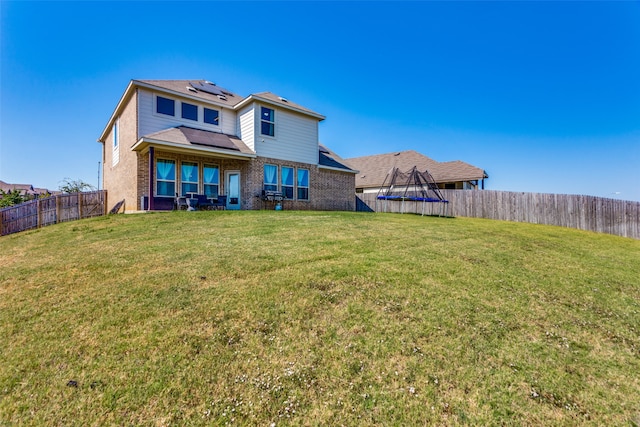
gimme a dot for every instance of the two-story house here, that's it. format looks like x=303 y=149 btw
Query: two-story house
x=171 y=138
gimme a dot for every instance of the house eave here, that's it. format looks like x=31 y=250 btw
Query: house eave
x=181 y=95
x=123 y=101
x=143 y=145
x=355 y=172
x=252 y=98
x=128 y=93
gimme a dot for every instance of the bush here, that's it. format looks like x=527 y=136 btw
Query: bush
x=75 y=186
x=10 y=198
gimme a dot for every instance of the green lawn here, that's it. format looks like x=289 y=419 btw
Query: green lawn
x=317 y=318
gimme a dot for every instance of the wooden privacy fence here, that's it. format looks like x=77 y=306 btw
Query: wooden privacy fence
x=52 y=210
x=611 y=216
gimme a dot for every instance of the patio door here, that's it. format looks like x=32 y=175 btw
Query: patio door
x=232 y=186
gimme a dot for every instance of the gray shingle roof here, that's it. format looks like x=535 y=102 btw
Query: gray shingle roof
x=328 y=158
x=283 y=102
x=182 y=87
x=374 y=169
x=197 y=138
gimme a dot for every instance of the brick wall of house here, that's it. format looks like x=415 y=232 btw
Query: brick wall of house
x=142 y=188
x=333 y=190
x=328 y=189
x=119 y=179
x=223 y=164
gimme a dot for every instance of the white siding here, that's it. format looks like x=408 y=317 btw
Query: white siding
x=296 y=137
x=149 y=121
x=246 y=126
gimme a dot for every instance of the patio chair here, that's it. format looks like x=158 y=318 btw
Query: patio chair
x=180 y=202
x=203 y=201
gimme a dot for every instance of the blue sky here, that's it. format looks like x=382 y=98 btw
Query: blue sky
x=545 y=96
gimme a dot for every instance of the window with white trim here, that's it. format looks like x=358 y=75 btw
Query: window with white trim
x=270 y=178
x=115 y=135
x=189 y=178
x=303 y=184
x=267 y=121
x=189 y=111
x=115 y=157
x=165 y=106
x=165 y=178
x=211 y=178
x=287 y=182
x=212 y=116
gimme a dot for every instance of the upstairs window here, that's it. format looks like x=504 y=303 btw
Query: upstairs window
x=189 y=111
x=211 y=116
x=115 y=158
x=287 y=182
x=189 y=178
x=211 y=183
x=303 y=184
x=165 y=106
x=270 y=178
x=166 y=177
x=115 y=135
x=267 y=123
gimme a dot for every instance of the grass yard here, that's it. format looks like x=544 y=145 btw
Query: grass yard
x=317 y=318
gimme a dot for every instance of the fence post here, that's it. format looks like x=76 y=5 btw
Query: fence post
x=58 y=198
x=79 y=205
x=39 y=211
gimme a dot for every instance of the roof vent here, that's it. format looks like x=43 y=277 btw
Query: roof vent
x=283 y=99
x=209 y=83
x=397 y=154
x=192 y=89
x=222 y=97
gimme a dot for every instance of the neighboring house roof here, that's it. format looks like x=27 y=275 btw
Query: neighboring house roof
x=191 y=138
x=330 y=160
x=24 y=189
x=374 y=169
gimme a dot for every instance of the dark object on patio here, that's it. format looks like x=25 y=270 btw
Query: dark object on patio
x=203 y=201
x=180 y=202
x=220 y=203
x=272 y=196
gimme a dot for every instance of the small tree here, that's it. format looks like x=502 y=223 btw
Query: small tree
x=69 y=185
x=10 y=198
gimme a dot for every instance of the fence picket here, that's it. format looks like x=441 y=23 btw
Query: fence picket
x=52 y=210
x=611 y=216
